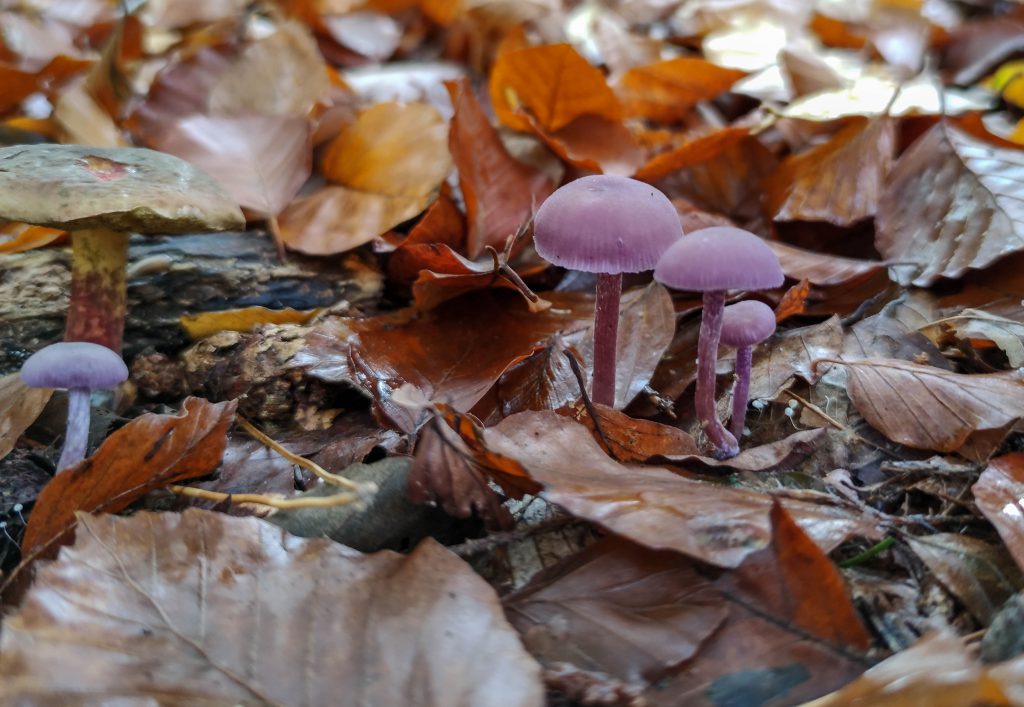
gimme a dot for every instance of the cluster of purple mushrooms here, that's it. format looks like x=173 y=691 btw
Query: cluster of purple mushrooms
x=613 y=225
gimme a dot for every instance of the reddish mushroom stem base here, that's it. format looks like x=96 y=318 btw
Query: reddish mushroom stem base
x=606 y=334
x=740 y=391
x=707 y=356
x=97 y=307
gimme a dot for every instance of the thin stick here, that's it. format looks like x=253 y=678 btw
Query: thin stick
x=575 y=366
x=339 y=499
x=312 y=467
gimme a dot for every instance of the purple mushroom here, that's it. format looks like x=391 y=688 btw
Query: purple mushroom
x=81 y=367
x=713 y=261
x=606 y=225
x=744 y=325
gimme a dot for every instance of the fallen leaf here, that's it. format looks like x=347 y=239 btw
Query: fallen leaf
x=83 y=122
x=260 y=160
x=692 y=151
x=392 y=149
x=23 y=237
x=821 y=268
x=839 y=181
x=442 y=225
x=204 y=324
x=19 y=408
x=800 y=638
x=148 y=453
x=921 y=218
x=937 y=671
x=544 y=381
x=793 y=302
x=586 y=608
x=336 y=219
x=501 y=193
x=999 y=493
x=930 y=408
x=667 y=90
x=554 y=83
x=980 y=575
x=160 y=606
x=447 y=362
x=459 y=275
x=631 y=440
x=786 y=453
x=1006 y=333
x=710 y=522
x=793 y=353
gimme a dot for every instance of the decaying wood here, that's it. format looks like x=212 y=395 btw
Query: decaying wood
x=172 y=276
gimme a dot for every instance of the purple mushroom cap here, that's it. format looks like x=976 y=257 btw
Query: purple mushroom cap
x=606 y=224
x=74 y=364
x=747 y=323
x=719 y=258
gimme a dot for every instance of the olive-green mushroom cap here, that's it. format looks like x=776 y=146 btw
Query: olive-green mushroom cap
x=129 y=189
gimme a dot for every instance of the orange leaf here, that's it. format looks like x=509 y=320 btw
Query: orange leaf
x=666 y=90
x=500 y=191
x=199 y=326
x=794 y=302
x=27 y=237
x=442 y=224
x=554 y=83
x=595 y=143
x=691 y=152
x=148 y=453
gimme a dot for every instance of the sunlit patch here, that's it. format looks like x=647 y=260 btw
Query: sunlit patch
x=103 y=168
x=1013 y=509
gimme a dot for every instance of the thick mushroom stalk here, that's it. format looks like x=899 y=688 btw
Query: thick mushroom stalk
x=76 y=436
x=711 y=318
x=97 y=307
x=606 y=335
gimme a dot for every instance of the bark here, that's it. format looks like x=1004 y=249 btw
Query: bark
x=170 y=276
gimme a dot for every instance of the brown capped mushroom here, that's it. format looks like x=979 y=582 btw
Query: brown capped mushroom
x=101 y=195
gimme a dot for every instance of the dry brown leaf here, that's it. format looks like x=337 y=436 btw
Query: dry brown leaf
x=19 y=408
x=999 y=492
x=336 y=219
x=666 y=90
x=392 y=149
x=717 y=524
x=930 y=408
x=784 y=454
x=821 y=268
x=594 y=143
x=793 y=353
x=260 y=160
x=937 y=671
x=691 y=152
x=148 y=453
x=442 y=225
x=631 y=440
x=586 y=609
x=501 y=192
x=203 y=608
x=283 y=74
x=204 y=324
x=839 y=181
x=953 y=203
x=553 y=83
x=83 y=122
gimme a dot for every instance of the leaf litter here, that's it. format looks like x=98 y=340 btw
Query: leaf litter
x=877 y=149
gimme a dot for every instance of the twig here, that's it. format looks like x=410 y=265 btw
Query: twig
x=576 y=371
x=338 y=499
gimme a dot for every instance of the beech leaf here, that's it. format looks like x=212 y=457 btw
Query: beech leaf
x=206 y=608
x=19 y=408
x=999 y=493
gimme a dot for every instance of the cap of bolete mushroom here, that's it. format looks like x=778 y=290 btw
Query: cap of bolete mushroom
x=101 y=195
x=745 y=324
x=712 y=261
x=607 y=225
x=81 y=367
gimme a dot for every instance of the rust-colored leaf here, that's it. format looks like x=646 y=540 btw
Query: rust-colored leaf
x=999 y=493
x=953 y=203
x=501 y=193
x=24 y=237
x=930 y=408
x=148 y=453
x=631 y=440
x=442 y=225
x=666 y=90
x=554 y=83
x=840 y=181
x=693 y=151
x=261 y=161
x=203 y=608
x=821 y=268
x=793 y=302
x=595 y=143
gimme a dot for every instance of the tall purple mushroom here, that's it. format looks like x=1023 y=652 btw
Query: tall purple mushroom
x=606 y=225
x=713 y=261
x=744 y=325
x=81 y=367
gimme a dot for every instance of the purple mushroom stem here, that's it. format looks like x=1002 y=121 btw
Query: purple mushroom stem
x=76 y=436
x=744 y=357
x=726 y=445
x=606 y=329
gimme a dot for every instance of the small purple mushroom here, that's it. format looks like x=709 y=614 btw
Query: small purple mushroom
x=744 y=325
x=81 y=367
x=606 y=225
x=713 y=261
